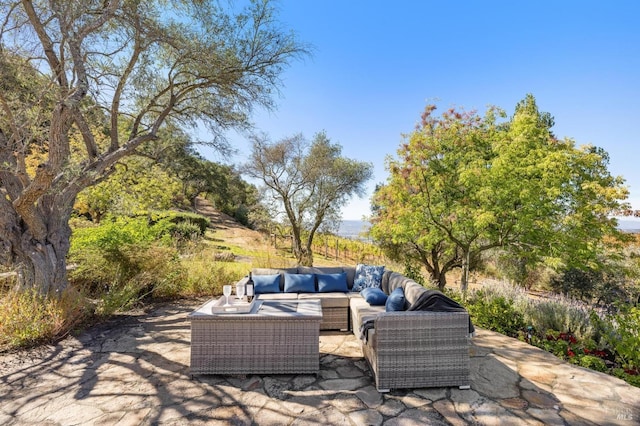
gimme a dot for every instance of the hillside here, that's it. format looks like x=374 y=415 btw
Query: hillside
x=227 y=230
x=254 y=246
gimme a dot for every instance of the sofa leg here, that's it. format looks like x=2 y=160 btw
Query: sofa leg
x=464 y=387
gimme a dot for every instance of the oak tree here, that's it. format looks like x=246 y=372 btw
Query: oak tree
x=310 y=183
x=111 y=74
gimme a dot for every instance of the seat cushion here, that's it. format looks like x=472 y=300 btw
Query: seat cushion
x=362 y=311
x=332 y=282
x=328 y=300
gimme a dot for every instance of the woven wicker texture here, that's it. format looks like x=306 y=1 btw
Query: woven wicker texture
x=335 y=319
x=267 y=343
x=421 y=349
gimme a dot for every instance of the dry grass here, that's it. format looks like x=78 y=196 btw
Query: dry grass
x=28 y=318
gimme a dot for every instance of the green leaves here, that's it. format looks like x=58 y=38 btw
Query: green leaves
x=463 y=183
x=308 y=182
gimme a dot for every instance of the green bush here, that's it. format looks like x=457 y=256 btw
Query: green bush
x=620 y=333
x=176 y=218
x=567 y=328
x=592 y=362
x=112 y=234
x=413 y=271
x=600 y=286
x=185 y=231
x=123 y=258
x=495 y=313
x=561 y=314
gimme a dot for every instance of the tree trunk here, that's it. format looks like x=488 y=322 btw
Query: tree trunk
x=306 y=258
x=464 y=279
x=39 y=257
x=440 y=278
x=42 y=263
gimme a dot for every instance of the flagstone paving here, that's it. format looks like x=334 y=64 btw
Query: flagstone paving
x=135 y=370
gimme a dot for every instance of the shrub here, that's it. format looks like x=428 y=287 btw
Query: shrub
x=620 y=333
x=126 y=279
x=108 y=257
x=590 y=285
x=201 y=275
x=495 y=312
x=561 y=314
x=185 y=231
x=28 y=318
x=592 y=362
x=175 y=218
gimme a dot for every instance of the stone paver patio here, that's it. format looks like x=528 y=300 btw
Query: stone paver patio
x=135 y=370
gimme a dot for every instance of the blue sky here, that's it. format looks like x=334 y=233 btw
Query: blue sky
x=376 y=64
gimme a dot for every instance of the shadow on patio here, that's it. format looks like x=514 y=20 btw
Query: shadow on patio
x=134 y=369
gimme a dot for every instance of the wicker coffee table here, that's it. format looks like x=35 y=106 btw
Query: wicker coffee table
x=276 y=337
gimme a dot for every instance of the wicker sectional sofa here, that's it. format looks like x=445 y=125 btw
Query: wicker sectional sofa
x=405 y=349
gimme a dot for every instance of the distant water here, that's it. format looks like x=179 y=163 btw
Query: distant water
x=353 y=229
x=629 y=225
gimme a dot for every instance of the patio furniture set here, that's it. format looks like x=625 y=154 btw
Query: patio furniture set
x=411 y=337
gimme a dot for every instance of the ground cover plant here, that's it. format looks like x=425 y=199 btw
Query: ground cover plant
x=598 y=339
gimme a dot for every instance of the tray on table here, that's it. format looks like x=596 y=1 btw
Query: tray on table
x=235 y=306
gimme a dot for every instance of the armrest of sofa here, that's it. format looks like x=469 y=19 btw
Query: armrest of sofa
x=421 y=330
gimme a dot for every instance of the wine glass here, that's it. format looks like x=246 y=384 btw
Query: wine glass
x=226 y=290
x=240 y=291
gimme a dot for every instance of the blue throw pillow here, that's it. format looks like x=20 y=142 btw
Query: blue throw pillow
x=374 y=296
x=395 y=301
x=367 y=276
x=299 y=283
x=332 y=282
x=266 y=283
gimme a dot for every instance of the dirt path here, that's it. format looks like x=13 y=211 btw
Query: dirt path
x=227 y=229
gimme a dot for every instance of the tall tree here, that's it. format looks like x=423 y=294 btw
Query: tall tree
x=311 y=182
x=138 y=186
x=464 y=184
x=126 y=68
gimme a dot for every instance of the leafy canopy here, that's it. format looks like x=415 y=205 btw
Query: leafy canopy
x=309 y=183
x=463 y=184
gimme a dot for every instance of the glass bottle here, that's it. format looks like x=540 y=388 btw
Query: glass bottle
x=249 y=289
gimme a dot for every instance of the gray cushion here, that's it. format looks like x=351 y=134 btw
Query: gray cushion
x=351 y=273
x=328 y=300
